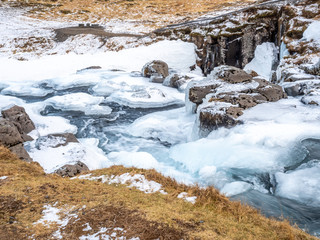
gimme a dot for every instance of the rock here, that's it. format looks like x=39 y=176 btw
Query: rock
x=55 y=140
x=211 y=119
x=272 y=92
x=223 y=96
x=232 y=74
x=234 y=111
x=19 y=116
x=199 y=91
x=21 y=152
x=71 y=170
x=175 y=80
x=9 y=134
x=313 y=69
x=294 y=90
x=156 y=70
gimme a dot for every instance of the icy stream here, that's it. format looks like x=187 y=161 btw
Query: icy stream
x=270 y=162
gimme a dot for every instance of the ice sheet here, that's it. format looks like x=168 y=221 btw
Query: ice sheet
x=172 y=126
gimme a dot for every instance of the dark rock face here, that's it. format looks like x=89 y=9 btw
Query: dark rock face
x=156 y=70
x=19 y=116
x=230 y=39
x=70 y=170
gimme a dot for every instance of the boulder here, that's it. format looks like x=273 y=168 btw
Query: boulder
x=9 y=134
x=71 y=170
x=21 y=152
x=175 y=80
x=156 y=70
x=272 y=92
x=199 y=91
x=19 y=116
x=295 y=90
x=232 y=74
x=223 y=96
x=210 y=119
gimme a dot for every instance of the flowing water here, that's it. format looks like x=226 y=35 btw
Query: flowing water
x=270 y=162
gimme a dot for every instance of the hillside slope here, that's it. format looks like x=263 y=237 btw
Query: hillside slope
x=34 y=205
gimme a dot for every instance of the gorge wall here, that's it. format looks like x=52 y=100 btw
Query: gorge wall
x=232 y=38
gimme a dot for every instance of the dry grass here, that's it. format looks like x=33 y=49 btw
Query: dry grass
x=149 y=13
x=27 y=189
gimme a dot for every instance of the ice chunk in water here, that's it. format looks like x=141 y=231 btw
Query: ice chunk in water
x=302 y=185
x=172 y=126
x=82 y=102
x=235 y=188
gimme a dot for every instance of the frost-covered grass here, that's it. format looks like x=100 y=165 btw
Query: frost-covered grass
x=43 y=206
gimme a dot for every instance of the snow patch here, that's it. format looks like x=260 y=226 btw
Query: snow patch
x=137 y=181
x=312 y=33
x=185 y=197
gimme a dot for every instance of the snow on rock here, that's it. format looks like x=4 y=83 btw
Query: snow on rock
x=86 y=151
x=3 y=177
x=265 y=58
x=185 y=197
x=312 y=33
x=137 y=181
x=82 y=102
